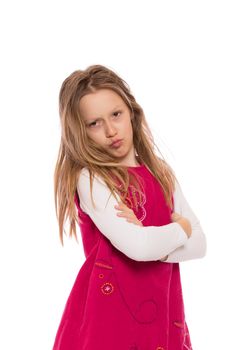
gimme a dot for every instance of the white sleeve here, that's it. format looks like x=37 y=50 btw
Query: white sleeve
x=141 y=243
x=195 y=246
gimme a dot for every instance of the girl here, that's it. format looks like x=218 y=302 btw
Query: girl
x=135 y=222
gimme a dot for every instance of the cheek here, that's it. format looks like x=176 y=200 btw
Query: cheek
x=126 y=125
x=128 y=129
x=96 y=136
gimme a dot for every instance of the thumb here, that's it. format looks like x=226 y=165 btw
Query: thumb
x=175 y=216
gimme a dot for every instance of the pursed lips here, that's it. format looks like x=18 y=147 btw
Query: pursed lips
x=115 y=142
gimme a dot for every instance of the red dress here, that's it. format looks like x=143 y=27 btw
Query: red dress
x=117 y=303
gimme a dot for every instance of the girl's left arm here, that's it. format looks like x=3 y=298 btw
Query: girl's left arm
x=195 y=247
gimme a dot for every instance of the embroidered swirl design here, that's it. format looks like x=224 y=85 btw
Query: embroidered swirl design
x=140 y=206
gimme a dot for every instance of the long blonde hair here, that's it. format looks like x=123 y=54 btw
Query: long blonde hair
x=77 y=150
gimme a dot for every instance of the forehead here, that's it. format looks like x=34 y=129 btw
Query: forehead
x=99 y=103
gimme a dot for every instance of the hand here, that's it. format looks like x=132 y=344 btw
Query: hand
x=127 y=213
x=184 y=222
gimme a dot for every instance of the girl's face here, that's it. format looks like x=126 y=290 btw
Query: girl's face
x=107 y=119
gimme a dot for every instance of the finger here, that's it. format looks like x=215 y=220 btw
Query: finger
x=120 y=206
x=131 y=220
x=125 y=214
x=129 y=215
x=175 y=215
x=135 y=221
x=125 y=209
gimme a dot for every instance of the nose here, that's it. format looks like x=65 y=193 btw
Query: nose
x=109 y=129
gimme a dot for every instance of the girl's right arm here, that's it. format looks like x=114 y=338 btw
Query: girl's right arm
x=141 y=243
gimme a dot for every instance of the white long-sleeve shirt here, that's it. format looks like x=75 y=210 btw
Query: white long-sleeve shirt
x=141 y=243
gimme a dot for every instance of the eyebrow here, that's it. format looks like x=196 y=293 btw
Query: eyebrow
x=97 y=118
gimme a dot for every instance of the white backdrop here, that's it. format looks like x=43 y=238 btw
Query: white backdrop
x=177 y=58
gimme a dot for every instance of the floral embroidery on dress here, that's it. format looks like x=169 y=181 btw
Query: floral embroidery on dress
x=107 y=288
x=140 y=209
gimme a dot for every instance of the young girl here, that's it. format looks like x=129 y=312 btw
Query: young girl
x=135 y=222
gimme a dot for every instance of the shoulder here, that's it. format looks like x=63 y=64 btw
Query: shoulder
x=84 y=178
x=178 y=195
x=99 y=192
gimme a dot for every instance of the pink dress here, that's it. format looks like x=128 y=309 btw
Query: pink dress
x=117 y=303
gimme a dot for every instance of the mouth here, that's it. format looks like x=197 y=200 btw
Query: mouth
x=116 y=144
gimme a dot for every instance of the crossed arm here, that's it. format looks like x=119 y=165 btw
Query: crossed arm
x=195 y=247
x=142 y=243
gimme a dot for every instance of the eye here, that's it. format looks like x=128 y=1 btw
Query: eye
x=93 y=124
x=116 y=112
